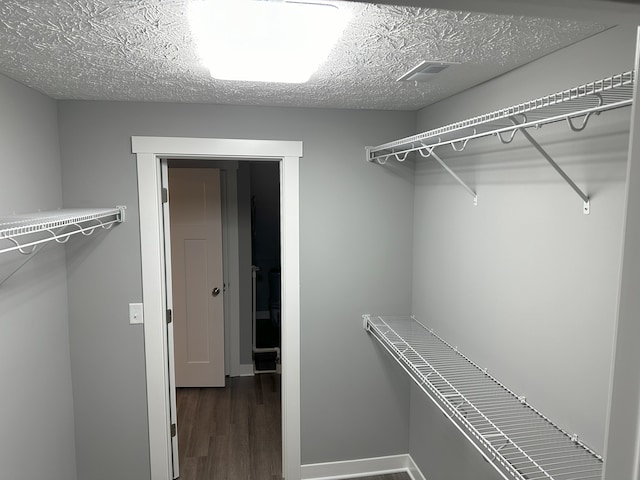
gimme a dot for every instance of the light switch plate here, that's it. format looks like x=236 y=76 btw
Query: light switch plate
x=135 y=314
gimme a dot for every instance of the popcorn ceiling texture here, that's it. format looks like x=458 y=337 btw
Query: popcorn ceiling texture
x=143 y=51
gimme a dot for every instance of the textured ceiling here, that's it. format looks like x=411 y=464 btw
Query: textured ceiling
x=142 y=51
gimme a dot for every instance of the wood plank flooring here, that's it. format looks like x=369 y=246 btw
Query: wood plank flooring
x=231 y=433
x=234 y=433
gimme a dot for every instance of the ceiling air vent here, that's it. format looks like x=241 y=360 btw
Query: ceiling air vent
x=424 y=71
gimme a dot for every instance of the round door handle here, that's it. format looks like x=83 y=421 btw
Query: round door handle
x=215 y=292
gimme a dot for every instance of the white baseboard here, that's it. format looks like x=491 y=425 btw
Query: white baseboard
x=364 y=467
x=413 y=470
x=246 y=369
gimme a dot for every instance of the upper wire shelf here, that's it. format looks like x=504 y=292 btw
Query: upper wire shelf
x=520 y=442
x=570 y=105
x=25 y=232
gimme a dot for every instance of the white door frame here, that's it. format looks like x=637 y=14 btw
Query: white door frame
x=149 y=151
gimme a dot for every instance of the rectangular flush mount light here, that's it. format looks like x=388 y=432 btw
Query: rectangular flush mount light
x=265 y=40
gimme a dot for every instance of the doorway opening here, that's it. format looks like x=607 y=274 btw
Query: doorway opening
x=224 y=230
x=149 y=152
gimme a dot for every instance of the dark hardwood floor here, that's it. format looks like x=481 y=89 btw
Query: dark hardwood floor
x=231 y=433
x=234 y=433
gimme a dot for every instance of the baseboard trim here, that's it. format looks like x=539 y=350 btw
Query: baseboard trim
x=246 y=370
x=414 y=472
x=364 y=467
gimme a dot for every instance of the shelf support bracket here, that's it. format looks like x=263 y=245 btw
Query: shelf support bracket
x=471 y=192
x=561 y=172
x=367 y=152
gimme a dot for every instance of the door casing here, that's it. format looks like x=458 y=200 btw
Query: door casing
x=149 y=152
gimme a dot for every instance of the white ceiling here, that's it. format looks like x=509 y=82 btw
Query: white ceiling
x=142 y=51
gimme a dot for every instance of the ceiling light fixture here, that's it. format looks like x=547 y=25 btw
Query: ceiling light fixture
x=265 y=41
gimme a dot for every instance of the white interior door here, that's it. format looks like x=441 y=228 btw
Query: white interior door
x=197 y=276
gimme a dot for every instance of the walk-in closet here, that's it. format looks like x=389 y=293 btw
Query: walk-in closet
x=429 y=266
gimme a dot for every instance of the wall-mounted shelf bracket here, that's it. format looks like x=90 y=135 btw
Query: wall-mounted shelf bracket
x=431 y=153
x=365 y=321
x=367 y=152
x=585 y=198
x=382 y=159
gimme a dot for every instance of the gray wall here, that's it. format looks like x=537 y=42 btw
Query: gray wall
x=37 y=435
x=524 y=283
x=356 y=223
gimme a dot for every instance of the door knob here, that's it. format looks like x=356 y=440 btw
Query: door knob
x=215 y=292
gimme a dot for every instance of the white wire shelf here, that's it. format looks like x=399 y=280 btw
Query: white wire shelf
x=609 y=93
x=519 y=441
x=23 y=233
x=575 y=106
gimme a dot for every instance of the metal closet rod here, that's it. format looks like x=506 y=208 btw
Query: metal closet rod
x=569 y=105
x=58 y=226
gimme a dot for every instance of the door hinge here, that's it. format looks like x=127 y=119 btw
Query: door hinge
x=169 y=316
x=173 y=430
x=165 y=195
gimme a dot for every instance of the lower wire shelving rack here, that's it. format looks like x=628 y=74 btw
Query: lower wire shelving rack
x=516 y=439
